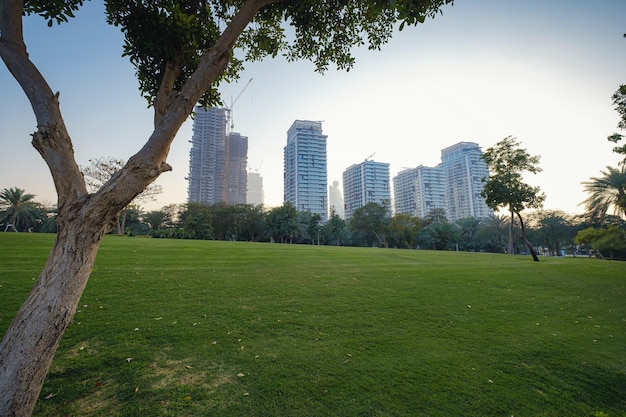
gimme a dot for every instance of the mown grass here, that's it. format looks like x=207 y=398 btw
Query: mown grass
x=203 y=328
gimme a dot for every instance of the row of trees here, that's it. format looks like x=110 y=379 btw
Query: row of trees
x=551 y=231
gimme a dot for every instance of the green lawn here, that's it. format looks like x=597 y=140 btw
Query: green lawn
x=204 y=328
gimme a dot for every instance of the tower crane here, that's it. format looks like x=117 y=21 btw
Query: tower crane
x=369 y=157
x=230 y=123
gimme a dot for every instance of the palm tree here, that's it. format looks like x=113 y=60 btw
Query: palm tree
x=17 y=210
x=606 y=192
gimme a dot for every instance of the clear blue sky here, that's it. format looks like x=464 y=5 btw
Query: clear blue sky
x=541 y=70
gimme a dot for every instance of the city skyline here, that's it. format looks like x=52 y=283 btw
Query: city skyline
x=541 y=71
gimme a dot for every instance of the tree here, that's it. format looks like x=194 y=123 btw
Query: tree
x=403 y=231
x=181 y=51
x=469 y=227
x=282 y=223
x=610 y=241
x=334 y=230
x=155 y=219
x=619 y=100
x=555 y=229
x=18 y=211
x=504 y=186
x=606 y=192
x=492 y=234
x=373 y=221
x=101 y=170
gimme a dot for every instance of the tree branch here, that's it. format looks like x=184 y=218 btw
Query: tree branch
x=212 y=64
x=51 y=140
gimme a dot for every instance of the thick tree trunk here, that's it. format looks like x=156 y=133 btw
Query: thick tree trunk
x=34 y=335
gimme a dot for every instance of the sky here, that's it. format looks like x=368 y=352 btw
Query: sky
x=542 y=71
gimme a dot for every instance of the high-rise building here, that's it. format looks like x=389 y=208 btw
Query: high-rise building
x=404 y=198
x=418 y=191
x=464 y=170
x=237 y=177
x=454 y=185
x=217 y=160
x=430 y=190
x=364 y=183
x=255 y=189
x=305 y=172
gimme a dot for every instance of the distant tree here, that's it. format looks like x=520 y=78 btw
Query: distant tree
x=310 y=226
x=437 y=215
x=282 y=223
x=197 y=222
x=608 y=242
x=372 y=220
x=555 y=228
x=18 y=211
x=251 y=223
x=492 y=234
x=335 y=230
x=439 y=235
x=403 y=231
x=181 y=51
x=101 y=170
x=504 y=186
x=469 y=227
x=606 y=192
x=155 y=219
x=223 y=220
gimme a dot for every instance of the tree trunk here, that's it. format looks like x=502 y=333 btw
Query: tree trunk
x=34 y=335
x=511 y=251
x=530 y=246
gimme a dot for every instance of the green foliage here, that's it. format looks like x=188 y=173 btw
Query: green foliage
x=165 y=328
x=197 y=222
x=18 y=211
x=58 y=11
x=166 y=38
x=504 y=187
x=619 y=100
x=282 y=223
x=372 y=222
x=166 y=32
x=606 y=192
x=609 y=242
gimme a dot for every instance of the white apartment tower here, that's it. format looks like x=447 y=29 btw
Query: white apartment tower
x=464 y=170
x=418 y=191
x=367 y=182
x=454 y=185
x=305 y=172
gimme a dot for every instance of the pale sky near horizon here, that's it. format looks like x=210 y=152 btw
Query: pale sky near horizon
x=540 y=70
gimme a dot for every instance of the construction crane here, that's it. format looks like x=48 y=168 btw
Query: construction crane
x=230 y=123
x=370 y=157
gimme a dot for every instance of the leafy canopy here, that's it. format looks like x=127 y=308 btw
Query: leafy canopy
x=504 y=187
x=166 y=38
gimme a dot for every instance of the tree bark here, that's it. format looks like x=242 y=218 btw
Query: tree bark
x=530 y=246
x=511 y=251
x=30 y=342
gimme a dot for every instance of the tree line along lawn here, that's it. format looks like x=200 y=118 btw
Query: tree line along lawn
x=208 y=328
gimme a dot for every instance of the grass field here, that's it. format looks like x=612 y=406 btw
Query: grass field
x=205 y=328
